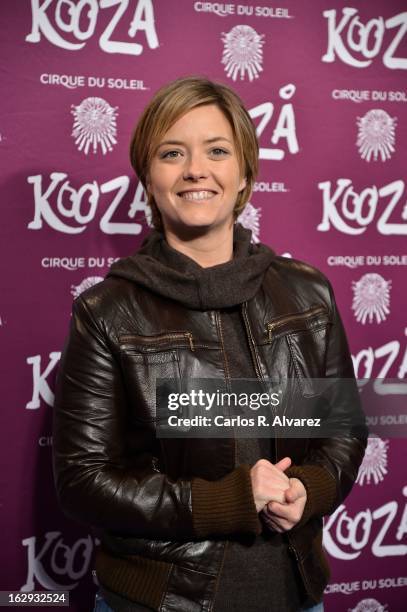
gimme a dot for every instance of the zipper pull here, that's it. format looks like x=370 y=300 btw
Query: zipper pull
x=269 y=331
x=293 y=551
x=154 y=461
x=191 y=341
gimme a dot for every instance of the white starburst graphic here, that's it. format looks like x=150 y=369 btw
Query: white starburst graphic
x=76 y=290
x=371 y=298
x=374 y=464
x=94 y=125
x=242 y=52
x=369 y=605
x=250 y=219
x=376 y=135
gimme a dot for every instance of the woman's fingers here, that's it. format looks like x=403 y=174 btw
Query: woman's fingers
x=269 y=481
x=283 y=464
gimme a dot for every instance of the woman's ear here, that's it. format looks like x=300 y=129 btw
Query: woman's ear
x=242 y=184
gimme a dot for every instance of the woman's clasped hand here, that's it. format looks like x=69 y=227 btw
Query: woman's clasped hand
x=279 y=499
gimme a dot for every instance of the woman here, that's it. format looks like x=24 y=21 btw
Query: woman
x=190 y=524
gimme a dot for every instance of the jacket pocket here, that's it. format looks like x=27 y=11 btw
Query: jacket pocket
x=144 y=360
x=307 y=337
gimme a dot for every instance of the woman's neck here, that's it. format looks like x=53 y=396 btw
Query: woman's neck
x=205 y=249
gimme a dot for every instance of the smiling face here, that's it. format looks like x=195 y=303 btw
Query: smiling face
x=194 y=175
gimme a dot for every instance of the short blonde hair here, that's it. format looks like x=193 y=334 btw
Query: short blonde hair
x=174 y=100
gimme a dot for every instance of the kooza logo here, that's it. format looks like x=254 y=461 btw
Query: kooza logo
x=242 y=53
x=376 y=135
x=342 y=204
x=371 y=298
x=374 y=464
x=347 y=35
x=94 y=125
x=69 y=25
x=44 y=560
x=345 y=536
x=250 y=219
x=70 y=210
x=381 y=363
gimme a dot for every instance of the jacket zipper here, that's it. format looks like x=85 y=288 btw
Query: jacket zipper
x=220 y=334
x=292 y=549
x=255 y=357
x=160 y=338
x=294 y=317
x=251 y=343
x=218 y=324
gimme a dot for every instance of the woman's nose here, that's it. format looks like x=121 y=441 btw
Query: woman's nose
x=195 y=168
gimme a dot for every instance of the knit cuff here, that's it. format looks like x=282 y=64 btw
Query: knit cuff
x=321 y=490
x=225 y=506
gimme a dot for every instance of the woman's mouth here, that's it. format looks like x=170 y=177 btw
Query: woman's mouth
x=197 y=195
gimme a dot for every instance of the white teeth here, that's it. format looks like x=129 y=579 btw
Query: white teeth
x=197 y=195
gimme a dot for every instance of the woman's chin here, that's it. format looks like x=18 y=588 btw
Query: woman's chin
x=198 y=220
x=196 y=225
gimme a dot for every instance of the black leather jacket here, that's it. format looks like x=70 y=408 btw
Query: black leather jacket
x=151 y=498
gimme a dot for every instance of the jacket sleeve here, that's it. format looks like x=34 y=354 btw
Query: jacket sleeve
x=331 y=466
x=94 y=482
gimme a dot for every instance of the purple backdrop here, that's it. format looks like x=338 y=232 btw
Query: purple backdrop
x=326 y=86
